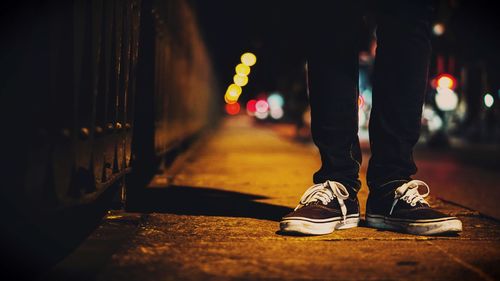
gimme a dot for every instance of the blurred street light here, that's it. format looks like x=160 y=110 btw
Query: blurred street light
x=488 y=100
x=232 y=94
x=233 y=90
x=242 y=69
x=233 y=109
x=446 y=81
x=240 y=80
x=262 y=106
x=438 y=29
x=446 y=99
x=361 y=101
x=275 y=100
x=248 y=59
x=276 y=113
x=251 y=107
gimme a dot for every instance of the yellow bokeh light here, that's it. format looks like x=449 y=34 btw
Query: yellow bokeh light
x=248 y=59
x=230 y=100
x=240 y=80
x=232 y=94
x=233 y=90
x=242 y=69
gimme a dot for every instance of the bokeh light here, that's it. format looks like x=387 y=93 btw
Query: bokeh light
x=361 y=101
x=251 y=106
x=233 y=108
x=488 y=100
x=229 y=99
x=242 y=69
x=233 y=90
x=261 y=106
x=276 y=113
x=275 y=100
x=438 y=29
x=446 y=99
x=446 y=81
x=240 y=80
x=248 y=59
x=361 y=118
x=261 y=115
x=434 y=122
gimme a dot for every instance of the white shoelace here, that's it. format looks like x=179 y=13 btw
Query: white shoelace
x=408 y=192
x=325 y=192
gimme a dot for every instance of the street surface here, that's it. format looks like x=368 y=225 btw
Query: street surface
x=215 y=217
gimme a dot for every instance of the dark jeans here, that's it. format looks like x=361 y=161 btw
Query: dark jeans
x=399 y=85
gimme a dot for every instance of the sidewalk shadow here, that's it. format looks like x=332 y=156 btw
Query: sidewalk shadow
x=186 y=200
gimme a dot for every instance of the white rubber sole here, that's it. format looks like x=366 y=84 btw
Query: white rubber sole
x=317 y=227
x=418 y=227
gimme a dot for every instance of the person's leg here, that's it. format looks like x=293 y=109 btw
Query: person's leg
x=332 y=60
x=400 y=82
x=332 y=55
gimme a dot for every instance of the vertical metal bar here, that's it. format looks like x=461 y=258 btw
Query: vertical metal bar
x=117 y=78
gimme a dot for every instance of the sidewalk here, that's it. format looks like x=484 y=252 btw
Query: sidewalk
x=219 y=221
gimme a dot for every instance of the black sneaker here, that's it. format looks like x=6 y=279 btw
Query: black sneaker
x=404 y=209
x=322 y=209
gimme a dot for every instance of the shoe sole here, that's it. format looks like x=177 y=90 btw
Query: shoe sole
x=307 y=226
x=417 y=227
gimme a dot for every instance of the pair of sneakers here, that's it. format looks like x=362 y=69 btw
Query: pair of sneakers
x=397 y=206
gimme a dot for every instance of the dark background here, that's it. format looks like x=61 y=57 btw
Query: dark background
x=274 y=31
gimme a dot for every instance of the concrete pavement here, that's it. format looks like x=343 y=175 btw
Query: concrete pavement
x=215 y=217
x=468 y=175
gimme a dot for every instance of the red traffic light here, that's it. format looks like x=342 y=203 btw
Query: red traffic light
x=445 y=80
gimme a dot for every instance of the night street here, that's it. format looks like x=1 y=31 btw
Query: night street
x=250 y=140
x=218 y=220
